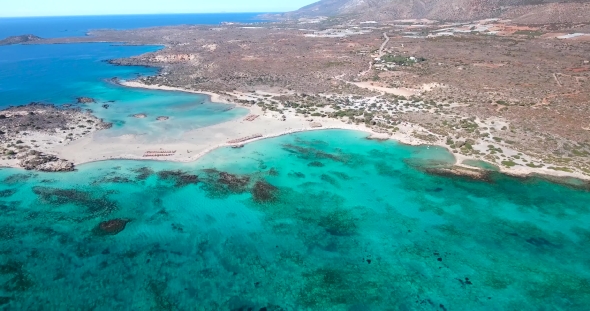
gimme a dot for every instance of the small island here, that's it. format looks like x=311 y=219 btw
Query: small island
x=20 y=39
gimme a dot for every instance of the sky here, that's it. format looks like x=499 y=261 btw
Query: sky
x=13 y=8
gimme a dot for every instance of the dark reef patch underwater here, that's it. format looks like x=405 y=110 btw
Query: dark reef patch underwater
x=266 y=227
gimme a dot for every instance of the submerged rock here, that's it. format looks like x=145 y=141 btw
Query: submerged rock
x=7 y=193
x=17 y=179
x=85 y=100
x=273 y=172
x=313 y=153
x=139 y=115
x=221 y=184
x=56 y=196
x=329 y=179
x=111 y=227
x=339 y=223
x=180 y=178
x=264 y=192
x=233 y=182
x=143 y=173
x=297 y=175
x=315 y=164
x=340 y=175
x=114 y=180
x=19 y=279
x=162 y=118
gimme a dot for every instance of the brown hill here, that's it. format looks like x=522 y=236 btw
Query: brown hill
x=382 y=10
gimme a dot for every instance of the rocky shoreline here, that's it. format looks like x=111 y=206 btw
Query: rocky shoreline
x=28 y=133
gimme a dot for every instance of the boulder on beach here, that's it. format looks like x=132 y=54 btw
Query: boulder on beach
x=162 y=118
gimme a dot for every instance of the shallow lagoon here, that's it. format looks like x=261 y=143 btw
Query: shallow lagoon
x=324 y=220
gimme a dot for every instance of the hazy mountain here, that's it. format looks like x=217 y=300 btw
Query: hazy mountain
x=433 y=9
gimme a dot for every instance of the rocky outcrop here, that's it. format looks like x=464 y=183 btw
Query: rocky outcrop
x=58 y=165
x=22 y=126
x=459 y=171
x=45 y=163
x=19 y=39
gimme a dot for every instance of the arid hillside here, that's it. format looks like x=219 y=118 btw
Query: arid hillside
x=382 y=10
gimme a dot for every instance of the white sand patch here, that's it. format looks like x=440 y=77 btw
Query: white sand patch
x=396 y=91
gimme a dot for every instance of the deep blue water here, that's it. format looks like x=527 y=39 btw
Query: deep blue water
x=60 y=73
x=70 y=26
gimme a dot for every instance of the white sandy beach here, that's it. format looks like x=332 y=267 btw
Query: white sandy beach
x=196 y=143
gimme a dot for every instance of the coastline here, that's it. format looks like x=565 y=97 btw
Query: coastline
x=403 y=138
x=201 y=141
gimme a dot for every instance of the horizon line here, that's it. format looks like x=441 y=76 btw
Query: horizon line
x=136 y=14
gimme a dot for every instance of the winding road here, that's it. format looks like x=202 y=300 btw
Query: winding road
x=384 y=44
x=381 y=48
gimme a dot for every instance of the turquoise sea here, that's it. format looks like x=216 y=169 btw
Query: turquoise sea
x=324 y=220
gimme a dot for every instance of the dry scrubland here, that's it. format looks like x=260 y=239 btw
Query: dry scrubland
x=512 y=94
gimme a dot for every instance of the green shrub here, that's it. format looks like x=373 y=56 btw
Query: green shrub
x=508 y=163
